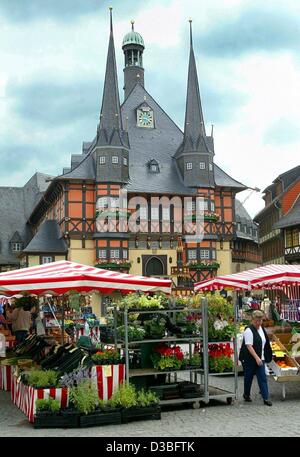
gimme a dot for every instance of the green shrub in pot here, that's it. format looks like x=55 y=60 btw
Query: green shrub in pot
x=124 y=397
x=84 y=396
x=42 y=378
x=47 y=405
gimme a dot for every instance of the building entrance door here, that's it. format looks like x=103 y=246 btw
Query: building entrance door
x=154 y=265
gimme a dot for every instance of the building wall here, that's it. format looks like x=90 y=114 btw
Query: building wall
x=237 y=267
x=224 y=258
x=34 y=260
x=78 y=254
x=137 y=268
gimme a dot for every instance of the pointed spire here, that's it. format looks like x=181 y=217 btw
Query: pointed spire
x=110 y=116
x=132 y=25
x=194 y=122
x=191 y=33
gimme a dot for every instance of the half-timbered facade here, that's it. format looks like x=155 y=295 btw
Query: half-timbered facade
x=141 y=158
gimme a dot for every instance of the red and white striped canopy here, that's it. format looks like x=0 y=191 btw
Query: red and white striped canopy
x=266 y=277
x=63 y=276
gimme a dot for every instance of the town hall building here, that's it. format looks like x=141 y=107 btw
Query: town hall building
x=140 y=152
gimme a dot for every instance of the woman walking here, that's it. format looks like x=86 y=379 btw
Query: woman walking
x=254 y=354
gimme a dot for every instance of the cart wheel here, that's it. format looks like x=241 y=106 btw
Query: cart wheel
x=229 y=400
x=196 y=405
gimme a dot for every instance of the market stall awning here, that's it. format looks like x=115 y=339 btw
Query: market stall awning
x=266 y=277
x=63 y=276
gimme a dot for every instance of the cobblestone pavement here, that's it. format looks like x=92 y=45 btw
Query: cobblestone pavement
x=216 y=419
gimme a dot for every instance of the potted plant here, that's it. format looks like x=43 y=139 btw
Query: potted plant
x=142 y=301
x=135 y=333
x=220 y=360
x=49 y=415
x=85 y=399
x=155 y=327
x=136 y=405
x=194 y=361
x=42 y=379
x=167 y=358
x=106 y=357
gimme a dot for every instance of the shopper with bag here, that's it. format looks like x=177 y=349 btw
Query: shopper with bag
x=254 y=354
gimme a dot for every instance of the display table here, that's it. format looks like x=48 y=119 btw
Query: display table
x=24 y=397
x=107 y=379
x=5 y=377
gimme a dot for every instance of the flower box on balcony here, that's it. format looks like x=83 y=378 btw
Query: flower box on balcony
x=113 y=266
x=204 y=266
x=208 y=217
x=114 y=214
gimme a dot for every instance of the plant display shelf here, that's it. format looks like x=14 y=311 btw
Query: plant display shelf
x=152 y=371
x=163 y=310
x=209 y=392
x=168 y=339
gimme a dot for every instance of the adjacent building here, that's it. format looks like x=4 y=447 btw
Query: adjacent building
x=279 y=221
x=16 y=205
x=245 y=249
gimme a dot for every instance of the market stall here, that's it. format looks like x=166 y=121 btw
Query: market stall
x=43 y=384
x=286 y=347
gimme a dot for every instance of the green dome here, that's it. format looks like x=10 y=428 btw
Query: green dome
x=133 y=38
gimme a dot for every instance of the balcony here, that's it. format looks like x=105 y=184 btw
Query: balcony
x=246 y=256
x=180 y=271
x=292 y=253
x=203 y=265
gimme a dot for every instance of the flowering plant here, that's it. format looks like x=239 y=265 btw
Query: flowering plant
x=167 y=357
x=220 y=357
x=190 y=324
x=75 y=377
x=106 y=357
x=141 y=301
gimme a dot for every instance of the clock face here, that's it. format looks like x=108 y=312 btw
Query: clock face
x=145 y=118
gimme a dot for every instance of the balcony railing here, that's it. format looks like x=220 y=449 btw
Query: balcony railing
x=245 y=256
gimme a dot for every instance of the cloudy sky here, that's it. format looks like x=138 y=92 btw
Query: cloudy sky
x=53 y=53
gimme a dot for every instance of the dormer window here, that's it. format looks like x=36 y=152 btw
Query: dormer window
x=16 y=243
x=16 y=247
x=153 y=166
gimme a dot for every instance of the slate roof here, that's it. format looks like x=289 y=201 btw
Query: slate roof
x=48 y=240
x=159 y=143
x=17 y=204
x=194 y=122
x=290 y=219
x=243 y=218
x=288 y=177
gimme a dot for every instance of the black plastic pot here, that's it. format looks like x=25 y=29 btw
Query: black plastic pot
x=56 y=420
x=139 y=413
x=100 y=418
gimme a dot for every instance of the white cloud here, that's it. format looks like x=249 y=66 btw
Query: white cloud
x=267 y=84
